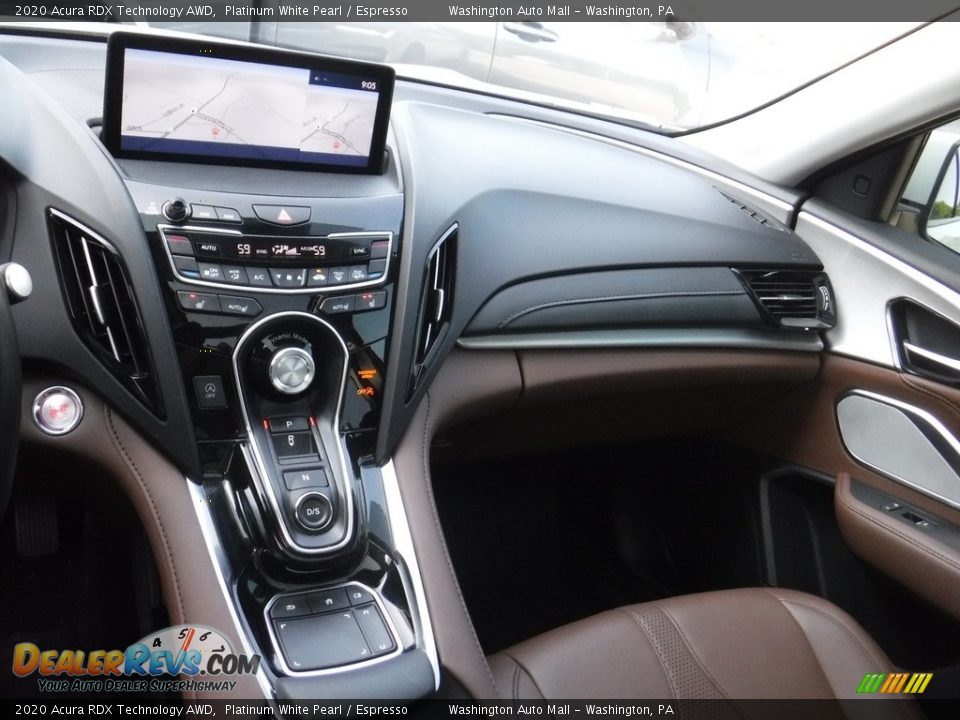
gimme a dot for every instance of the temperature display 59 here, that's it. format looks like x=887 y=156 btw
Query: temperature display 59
x=274 y=250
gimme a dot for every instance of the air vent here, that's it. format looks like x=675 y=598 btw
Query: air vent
x=436 y=302
x=102 y=306
x=792 y=298
x=754 y=214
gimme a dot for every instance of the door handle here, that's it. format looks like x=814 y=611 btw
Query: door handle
x=945 y=362
x=531 y=32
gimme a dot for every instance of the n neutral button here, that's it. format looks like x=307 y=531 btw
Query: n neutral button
x=282 y=214
x=301 y=479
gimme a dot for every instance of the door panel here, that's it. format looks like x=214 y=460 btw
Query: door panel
x=886 y=428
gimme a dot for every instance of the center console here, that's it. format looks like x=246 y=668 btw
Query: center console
x=279 y=284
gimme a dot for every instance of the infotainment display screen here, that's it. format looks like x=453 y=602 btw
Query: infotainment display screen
x=181 y=99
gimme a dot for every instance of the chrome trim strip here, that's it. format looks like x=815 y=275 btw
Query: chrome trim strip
x=258 y=467
x=83 y=228
x=404 y=546
x=919 y=417
x=278 y=652
x=730 y=183
x=934 y=357
x=221 y=570
x=324 y=289
x=648 y=338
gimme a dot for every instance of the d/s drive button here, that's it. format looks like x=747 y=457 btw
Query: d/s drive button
x=314 y=511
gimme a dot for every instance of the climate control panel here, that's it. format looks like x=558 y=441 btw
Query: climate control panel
x=223 y=258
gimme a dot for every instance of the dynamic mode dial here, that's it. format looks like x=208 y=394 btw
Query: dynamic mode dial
x=291 y=370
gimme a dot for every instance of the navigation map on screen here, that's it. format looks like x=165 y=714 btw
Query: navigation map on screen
x=196 y=105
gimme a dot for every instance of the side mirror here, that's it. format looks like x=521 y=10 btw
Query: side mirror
x=940 y=220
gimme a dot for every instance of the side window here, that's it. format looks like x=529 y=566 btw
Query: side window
x=932 y=194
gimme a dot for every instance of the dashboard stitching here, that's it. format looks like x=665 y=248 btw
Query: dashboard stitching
x=443 y=545
x=601 y=298
x=118 y=444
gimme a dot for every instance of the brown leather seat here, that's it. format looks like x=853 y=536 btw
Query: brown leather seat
x=739 y=644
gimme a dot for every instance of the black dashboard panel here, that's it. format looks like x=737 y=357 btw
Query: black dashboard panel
x=649 y=297
x=533 y=202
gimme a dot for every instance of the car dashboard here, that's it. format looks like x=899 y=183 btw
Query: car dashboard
x=271 y=332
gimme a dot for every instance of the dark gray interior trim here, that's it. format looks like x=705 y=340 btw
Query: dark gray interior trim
x=636 y=297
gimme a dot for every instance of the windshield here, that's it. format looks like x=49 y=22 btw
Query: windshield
x=671 y=76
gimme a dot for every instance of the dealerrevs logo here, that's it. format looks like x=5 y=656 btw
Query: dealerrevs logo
x=184 y=650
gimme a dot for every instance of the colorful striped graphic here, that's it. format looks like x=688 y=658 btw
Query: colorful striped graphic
x=894 y=683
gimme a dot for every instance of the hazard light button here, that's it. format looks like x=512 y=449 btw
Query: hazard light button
x=282 y=214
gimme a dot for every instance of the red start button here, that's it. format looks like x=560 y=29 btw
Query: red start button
x=57 y=410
